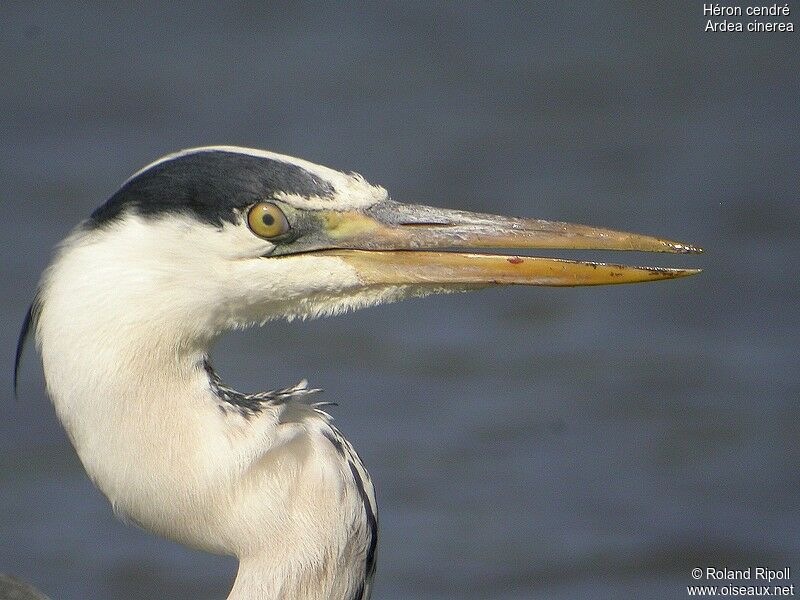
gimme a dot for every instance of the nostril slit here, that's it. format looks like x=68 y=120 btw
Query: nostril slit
x=426 y=224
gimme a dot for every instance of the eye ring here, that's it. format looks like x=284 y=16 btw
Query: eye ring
x=267 y=221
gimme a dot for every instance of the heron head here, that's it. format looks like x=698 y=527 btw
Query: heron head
x=223 y=237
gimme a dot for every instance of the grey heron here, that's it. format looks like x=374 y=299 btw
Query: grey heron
x=213 y=239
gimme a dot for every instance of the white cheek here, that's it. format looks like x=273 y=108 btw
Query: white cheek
x=269 y=288
x=236 y=242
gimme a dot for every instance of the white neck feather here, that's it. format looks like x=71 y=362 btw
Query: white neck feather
x=123 y=343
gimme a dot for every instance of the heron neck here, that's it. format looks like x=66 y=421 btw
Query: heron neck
x=258 y=580
x=274 y=575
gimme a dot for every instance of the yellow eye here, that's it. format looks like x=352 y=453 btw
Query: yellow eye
x=267 y=220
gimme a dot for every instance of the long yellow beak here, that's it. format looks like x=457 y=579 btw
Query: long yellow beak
x=391 y=243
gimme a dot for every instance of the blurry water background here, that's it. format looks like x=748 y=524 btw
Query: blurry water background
x=551 y=443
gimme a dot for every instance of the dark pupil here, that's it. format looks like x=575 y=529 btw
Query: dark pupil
x=268 y=219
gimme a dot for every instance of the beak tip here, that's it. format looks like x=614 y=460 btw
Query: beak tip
x=681 y=248
x=689 y=272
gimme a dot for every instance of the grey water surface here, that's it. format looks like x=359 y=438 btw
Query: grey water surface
x=525 y=443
